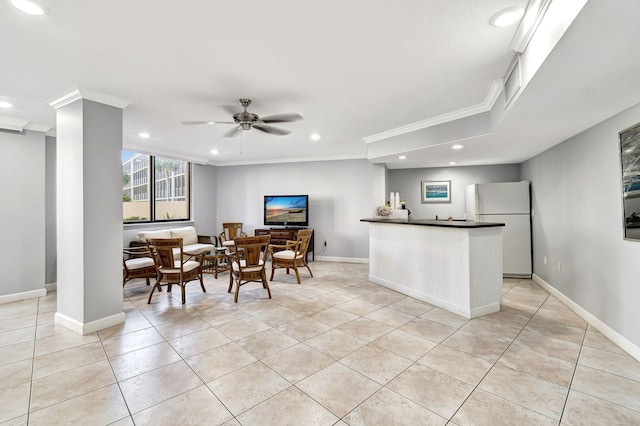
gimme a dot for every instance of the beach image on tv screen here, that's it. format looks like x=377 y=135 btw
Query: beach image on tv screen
x=286 y=209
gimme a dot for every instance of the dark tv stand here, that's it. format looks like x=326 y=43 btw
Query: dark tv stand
x=280 y=236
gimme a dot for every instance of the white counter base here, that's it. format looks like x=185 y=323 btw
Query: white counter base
x=457 y=269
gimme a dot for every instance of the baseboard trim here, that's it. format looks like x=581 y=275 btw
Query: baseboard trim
x=51 y=287
x=625 y=344
x=342 y=259
x=89 y=327
x=16 y=297
x=460 y=310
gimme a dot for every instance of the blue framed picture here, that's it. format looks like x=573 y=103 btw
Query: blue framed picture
x=435 y=191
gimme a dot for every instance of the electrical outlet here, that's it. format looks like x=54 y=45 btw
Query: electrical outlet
x=559 y=267
x=544 y=259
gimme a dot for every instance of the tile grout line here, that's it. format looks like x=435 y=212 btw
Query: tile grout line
x=33 y=360
x=114 y=375
x=497 y=360
x=181 y=358
x=573 y=375
x=198 y=314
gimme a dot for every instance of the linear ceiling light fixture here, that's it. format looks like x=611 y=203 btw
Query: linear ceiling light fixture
x=31 y=7
x=507 y=17
x=5 y=104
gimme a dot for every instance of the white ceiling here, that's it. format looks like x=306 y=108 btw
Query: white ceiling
x=352 y=69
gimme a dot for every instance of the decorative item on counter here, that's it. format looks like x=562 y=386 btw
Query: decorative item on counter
x=392 y=200
x=450 y=218
x=403 y=204
x=397 y=200
x=383 y=211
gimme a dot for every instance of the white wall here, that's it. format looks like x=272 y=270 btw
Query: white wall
x=408 y=183
x=22 y=212
x=89 y=211
x=339 y=196
x=576 y=197
x=50 y=211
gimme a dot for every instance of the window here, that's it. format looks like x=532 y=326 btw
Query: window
x=166 y=199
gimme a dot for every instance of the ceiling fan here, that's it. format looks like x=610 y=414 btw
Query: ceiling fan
x=246 y=120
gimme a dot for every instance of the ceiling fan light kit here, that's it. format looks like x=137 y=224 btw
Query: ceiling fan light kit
x=246 y=120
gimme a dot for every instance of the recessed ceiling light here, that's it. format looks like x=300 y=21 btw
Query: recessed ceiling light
x=144 y=135
x=4 y=104
x=506 y=17
x=402 y=157
x=315 y=137
x=30 y=6
x=452 y=163
x=214 y=152
x=457 y=147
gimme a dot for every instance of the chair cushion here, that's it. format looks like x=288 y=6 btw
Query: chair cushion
x=228 y=243
x=286 y=255
x=235 y=267
x=197 y=248
x=187 y=233
x=160 y=233
x=188 y=266
x=139 y=263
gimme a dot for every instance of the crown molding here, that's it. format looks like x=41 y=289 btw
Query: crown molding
x=143 y=149
x=90 y=95
x=490 y=99
x=290 y=160
x=44 y=128
x=13 y=124
x=529 y=24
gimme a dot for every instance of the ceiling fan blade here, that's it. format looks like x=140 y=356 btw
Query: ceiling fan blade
x=195 y=123
x=271 y=129
x=207 y=123
x=281 y=118
x=233 y=132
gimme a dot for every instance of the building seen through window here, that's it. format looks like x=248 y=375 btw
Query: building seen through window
x=166 y=199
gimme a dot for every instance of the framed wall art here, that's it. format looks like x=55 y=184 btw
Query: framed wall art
x=630 y=163
x=435 y=191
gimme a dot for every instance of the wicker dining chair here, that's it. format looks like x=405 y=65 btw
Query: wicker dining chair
x=248 y=263
x=137 y=262
x=291 y=255
x=230 y=231
x=173 y=269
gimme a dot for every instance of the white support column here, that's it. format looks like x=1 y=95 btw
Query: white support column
x=89 y=211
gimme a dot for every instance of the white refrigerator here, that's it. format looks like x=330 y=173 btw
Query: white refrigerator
x=508 y=203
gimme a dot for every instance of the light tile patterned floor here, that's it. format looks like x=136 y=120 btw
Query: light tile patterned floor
x=335 y=350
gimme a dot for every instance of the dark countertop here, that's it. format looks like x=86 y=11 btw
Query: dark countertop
x=431 y=222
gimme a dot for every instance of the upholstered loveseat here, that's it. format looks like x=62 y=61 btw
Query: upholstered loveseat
x=192 y=243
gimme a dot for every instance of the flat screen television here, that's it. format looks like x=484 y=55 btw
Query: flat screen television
x=286 y=210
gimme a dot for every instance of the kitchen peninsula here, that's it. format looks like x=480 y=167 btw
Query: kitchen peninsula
x=455 y=265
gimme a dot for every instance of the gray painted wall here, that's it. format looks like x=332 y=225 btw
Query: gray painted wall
x=50 y=267
x=408 y=183
x=339 y=196
x=22 y=212
x=576 y=197
x=204 y=199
